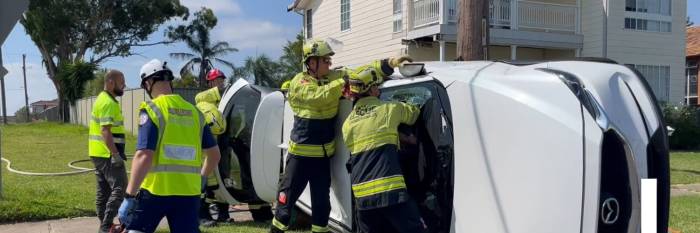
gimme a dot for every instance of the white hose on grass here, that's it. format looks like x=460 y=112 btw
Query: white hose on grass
x=78 y=169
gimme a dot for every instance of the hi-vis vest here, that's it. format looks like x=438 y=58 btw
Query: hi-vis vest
x=315 y=106
x=178 y=158
x=371 y=134
x=105 y=111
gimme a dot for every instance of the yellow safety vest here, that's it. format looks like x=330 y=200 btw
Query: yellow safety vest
x=105 y=111
x=178 y=158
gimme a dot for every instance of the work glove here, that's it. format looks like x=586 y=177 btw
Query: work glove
x=127 y=206
x=117 y=160
x=396 y=61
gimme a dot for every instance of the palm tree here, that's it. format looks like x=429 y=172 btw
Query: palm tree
x=197 y=38
x=265 y=71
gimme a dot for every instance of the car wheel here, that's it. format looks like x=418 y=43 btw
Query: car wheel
x=262 y=214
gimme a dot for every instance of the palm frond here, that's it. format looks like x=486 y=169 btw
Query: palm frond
x=182 y=56
x=227 y=63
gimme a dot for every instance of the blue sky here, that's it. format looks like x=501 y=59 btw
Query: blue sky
x=252 y=26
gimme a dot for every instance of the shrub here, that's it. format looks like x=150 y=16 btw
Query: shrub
x=686 y=122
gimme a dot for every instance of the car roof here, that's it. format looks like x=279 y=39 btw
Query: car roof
x=445 y=72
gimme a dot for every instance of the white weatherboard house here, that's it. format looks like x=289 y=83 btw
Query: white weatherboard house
x=649 y=34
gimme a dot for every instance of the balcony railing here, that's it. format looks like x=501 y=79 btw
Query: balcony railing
x=527 y=14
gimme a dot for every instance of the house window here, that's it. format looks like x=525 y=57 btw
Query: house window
x=344 y=15
x=398 y=16
x=691 y=82
x=647 y=25
x=309 y=24
x=661 y=7
x=658 y=77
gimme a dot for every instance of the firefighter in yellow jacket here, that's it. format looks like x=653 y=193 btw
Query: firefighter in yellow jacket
x=314 y=96
x=208 y=102
x=371 y=134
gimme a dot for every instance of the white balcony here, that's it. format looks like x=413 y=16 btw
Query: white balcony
x=504 y=14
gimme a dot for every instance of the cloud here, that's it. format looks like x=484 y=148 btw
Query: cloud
x=265 y=36
x=220 y=7
x=40 y=87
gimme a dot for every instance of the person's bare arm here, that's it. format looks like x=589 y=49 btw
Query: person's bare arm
x=140 y=165
x=108 y=139
x=211 y=161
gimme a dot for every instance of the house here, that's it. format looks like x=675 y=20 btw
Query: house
x=42 y=105
x=692 y=58
x=646 y=34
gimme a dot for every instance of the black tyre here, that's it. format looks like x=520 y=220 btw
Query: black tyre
x=262 y=214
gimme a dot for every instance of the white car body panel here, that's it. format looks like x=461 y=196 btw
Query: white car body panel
x=266 y=138
x=527 y=151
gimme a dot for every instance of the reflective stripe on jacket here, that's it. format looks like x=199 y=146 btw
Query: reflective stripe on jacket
x=371 y=134
x=105 y=111
x=178 y=158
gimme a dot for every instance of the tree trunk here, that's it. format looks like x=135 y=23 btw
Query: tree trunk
x=472 y=30
x=203 y=73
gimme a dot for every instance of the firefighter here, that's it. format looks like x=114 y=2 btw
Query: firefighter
x=314 y=96
x=371 y=134
x=207 y=102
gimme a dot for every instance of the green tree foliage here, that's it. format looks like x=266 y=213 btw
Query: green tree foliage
x=264 y=71
x=67 y=31
x=267 y=72
x=74 y=76
x=686 y=124
x=291 y=57
x=197 y=37
x=186 y=81
x=96 y=85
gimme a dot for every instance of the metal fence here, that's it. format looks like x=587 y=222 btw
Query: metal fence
x=130 y=103
x=50 y=114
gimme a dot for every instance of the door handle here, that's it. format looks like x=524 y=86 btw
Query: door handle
x=283 y=146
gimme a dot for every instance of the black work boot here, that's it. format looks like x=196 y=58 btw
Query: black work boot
x=274 y=229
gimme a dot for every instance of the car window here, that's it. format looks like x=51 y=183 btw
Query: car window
x=415 y=95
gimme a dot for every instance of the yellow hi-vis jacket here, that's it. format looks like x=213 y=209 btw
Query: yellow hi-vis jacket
x=178 y=158
x=371 y=134
x=105 y=111
x=208 y=102
x=315 y=106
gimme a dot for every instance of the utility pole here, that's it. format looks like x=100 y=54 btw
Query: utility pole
x=473 y=30
x=26 y=96
x=2 y=86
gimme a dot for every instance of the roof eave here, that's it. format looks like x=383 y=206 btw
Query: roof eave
x=297 y=5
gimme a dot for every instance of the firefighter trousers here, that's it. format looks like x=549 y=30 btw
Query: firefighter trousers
x=399 y=218
x=299 y=171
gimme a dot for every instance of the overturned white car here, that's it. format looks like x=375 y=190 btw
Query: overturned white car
x=546 y=147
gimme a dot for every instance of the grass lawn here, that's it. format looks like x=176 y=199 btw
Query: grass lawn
x=685 y=214
x=685 y=167
x=46 y=147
